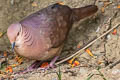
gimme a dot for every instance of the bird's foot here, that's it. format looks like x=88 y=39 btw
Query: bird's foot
x=37 y=64
x=51 y=65
x=32 y=67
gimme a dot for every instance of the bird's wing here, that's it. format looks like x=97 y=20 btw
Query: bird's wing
x=54 y=21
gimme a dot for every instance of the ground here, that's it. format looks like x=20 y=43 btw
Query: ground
x=106 y=49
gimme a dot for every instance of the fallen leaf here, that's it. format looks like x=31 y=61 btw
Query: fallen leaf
x=5 y=54
x=9 y=69
x=19 y=59
x=107 y=3
x=75 y=63
x=1 y=34
x=61 y=3
x=78 y=46
x=34 y=4
x=89 y=52
x=118 y=6
x=45 y=64
x=71 y=60
x=1 y=72
x=100 y=62
x=102 y=9
x=14 y=65
x=114 y=32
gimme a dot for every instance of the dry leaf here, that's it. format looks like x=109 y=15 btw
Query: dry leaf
x=118 y=6
x=34 y=4
x=1 y=34
x=114 y=32
x=102 y=9
x=99 y=62
x=78 y=46
x=5 y=54
x=75 y=63
x=107 y=3
x=1 y=72
x=9 y=69
x=19 y=59
x=61 y=3
x=89 y=52
x=45 y=64
x=14 y=65
x=71 y=60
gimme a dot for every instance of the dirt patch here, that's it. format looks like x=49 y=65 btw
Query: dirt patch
x=106 y=50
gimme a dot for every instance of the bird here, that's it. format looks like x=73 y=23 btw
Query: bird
x=41 y=35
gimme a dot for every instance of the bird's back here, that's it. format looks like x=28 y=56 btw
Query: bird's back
x=55 y=21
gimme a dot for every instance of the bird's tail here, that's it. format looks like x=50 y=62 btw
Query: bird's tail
x=80 y=13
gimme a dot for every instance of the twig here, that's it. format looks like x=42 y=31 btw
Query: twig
x=113 y=64
x=78 y=52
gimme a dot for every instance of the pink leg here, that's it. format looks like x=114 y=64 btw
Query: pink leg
x=33 y=66
x=51 y=65
x=37 y=64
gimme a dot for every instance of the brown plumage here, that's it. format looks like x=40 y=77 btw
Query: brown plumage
x=41 y=35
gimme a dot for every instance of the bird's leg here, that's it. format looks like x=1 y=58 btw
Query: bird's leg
x=51 y=65
x=33 y=66
x=36 y=65
x=59 y=49
x=53 y=62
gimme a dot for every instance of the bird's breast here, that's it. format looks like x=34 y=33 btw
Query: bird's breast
x=33 y=48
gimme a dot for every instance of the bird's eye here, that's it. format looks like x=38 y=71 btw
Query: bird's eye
x=17 y=33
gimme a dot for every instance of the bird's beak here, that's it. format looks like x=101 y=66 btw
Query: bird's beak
x=13 y=45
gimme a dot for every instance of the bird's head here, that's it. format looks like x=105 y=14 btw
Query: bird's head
x=13 y=32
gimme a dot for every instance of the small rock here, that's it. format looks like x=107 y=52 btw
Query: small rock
x=108 y=37
x=98 y=29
